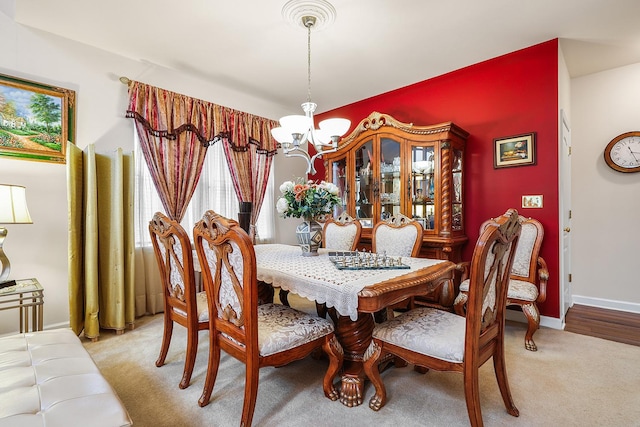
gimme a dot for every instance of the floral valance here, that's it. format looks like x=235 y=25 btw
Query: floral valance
x=167 y=114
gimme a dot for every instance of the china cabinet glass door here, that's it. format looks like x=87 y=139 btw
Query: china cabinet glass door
x=423 y=186
x=390 y=178
x=364 y=183
x=456 y=173
x=339 y=178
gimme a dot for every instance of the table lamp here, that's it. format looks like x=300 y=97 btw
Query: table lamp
x=13 y=210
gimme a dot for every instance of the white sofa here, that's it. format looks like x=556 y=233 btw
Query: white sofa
x=48 y=379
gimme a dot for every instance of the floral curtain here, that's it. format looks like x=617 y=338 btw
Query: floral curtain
x=175 y=131
x=249 y=150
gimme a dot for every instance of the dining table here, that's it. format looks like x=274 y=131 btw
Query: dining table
x=351 y=293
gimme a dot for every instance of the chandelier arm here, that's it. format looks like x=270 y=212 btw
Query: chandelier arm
x=304 y=155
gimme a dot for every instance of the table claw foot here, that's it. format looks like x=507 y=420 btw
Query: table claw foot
x=351 y=391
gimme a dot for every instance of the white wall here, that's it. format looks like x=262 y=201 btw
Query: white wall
x=605 y=203
x=40 y=250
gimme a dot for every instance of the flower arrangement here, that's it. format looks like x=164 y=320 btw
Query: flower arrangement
x=308 y=200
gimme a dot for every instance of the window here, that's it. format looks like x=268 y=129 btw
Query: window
x=214 y=191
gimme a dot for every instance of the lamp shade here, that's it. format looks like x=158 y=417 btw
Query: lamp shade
x=335 y=127
x=13 y=205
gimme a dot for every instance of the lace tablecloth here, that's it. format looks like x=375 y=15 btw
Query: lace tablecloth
x=316 y=278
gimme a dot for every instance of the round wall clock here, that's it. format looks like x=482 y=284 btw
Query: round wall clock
x=623 y=152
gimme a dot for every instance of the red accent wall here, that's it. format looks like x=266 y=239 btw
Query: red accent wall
x=509 y=95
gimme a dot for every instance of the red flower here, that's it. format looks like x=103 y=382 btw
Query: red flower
x=300 y=190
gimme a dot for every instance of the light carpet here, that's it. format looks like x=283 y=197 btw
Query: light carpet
x=572 y=380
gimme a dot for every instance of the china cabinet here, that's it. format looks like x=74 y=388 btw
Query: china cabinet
x=385 y=167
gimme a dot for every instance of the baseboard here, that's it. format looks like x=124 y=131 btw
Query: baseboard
x=630 y=307
x=545 y=321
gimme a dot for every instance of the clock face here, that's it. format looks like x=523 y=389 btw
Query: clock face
x=623 y=152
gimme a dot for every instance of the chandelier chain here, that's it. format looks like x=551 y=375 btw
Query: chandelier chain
x=309 y=23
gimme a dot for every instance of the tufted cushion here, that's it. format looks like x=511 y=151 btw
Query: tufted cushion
x=48 y=379
x=281 y=328
x=518 y=289
x=395 y=241
x=340 y=237
x=427 y=331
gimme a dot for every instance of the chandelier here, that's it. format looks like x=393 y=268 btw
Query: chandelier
x=295 y=130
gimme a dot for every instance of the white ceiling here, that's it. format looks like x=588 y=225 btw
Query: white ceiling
x=372 y=47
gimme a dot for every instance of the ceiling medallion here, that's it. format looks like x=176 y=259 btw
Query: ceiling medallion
x=323 y=12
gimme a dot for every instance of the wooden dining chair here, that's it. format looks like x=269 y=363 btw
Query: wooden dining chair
x=182 y=303
x=257 y=335
x=444 y=341
x=528 y=281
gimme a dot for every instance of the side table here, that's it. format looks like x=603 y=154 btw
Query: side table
x=27 y=296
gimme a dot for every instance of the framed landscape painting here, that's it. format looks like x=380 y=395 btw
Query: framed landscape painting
x=36 y=120
x=517 y=150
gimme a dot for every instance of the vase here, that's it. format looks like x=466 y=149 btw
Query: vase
x=309 y=235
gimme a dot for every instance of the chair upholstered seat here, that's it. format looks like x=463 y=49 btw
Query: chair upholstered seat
x=202 y=307
x=282 y=328
x=428 y=331
x=518 y=289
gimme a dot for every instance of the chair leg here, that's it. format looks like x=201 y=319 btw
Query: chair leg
x=212 y=372
x=533 y=319
x=250 y=393
x=372 y=371
x=333 y=349
x=472 y=395
x=500 y=369
x=166 y=339
x=190 y=358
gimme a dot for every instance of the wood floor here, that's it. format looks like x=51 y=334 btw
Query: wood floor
x=614 y=325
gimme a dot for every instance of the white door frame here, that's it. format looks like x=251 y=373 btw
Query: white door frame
x=566 y=295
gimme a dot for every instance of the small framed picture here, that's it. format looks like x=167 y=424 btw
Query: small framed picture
x=519 y=150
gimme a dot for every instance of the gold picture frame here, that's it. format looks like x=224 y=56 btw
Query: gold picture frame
x=519 y=150
x=37 y=120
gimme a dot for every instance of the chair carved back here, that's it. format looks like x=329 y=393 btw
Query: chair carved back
x=342 y=233
x=172 y=249
x=398 y=235
x=525 y=264
x=490 y=269
x=230 y=278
